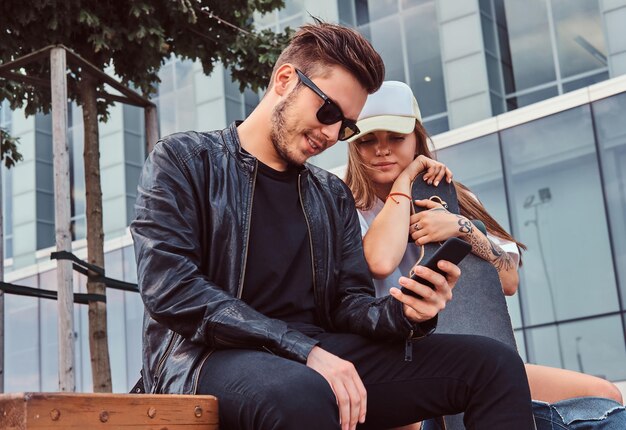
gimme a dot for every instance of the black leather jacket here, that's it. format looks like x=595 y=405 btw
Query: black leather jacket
x=190 y=234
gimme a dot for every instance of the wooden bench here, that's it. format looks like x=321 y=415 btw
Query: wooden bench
x=29 y=411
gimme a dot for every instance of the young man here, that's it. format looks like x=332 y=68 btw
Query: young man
x=251 y=270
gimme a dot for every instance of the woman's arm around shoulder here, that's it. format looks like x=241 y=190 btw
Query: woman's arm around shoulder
x=386 y=239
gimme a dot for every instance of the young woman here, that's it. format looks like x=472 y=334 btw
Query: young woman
x=384 y=159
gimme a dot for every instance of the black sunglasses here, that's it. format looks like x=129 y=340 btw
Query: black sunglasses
x=329 y=113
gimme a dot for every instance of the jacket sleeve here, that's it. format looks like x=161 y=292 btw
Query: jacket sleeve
x=175 y=291
x=357 y=310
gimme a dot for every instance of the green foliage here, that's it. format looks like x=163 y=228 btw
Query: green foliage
x=8 y=149
x=135 y=37
x=249 y=60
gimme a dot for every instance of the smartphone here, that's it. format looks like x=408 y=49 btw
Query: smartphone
x=452 y=250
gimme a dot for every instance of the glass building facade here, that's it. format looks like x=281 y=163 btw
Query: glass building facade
x=503 y=87
x=557 y=184
x=30 y=330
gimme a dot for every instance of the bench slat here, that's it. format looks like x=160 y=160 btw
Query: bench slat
x=30 y=411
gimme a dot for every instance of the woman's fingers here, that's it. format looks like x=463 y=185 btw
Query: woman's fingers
x=435 y=170
x=449 y=175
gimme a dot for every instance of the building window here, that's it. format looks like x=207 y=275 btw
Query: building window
x=44 y=181
x=176 y=97
x=76 y=135
x=477 y=164
x=406 y=34
x=595 y=347
x=579 y=38
x=373 y=10
x=557 y=210
x=557 y=184
x=346 y=13
x=21 y=340
x=543 y=48
x=611 y=136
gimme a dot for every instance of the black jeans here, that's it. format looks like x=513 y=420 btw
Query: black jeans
x=448 y=374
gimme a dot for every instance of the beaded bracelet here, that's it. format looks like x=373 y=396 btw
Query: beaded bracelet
x=398 y=194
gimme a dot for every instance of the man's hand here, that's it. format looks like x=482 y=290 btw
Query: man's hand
x=432 y=301
x=345 y=383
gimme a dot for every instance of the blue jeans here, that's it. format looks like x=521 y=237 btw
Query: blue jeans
x=582 y=413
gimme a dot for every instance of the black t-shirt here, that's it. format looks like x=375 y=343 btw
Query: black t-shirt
x=279 y=272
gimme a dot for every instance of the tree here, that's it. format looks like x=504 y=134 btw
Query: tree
x=134 y=37
x=8 y=149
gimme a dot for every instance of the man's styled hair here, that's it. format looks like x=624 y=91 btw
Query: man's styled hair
x=316 y=46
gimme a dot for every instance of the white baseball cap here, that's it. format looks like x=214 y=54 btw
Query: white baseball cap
x=393 y=107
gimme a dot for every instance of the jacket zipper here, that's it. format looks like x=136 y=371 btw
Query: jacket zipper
x=245 y=255
x=408 y=347
x=200 y=366
x=241 y=277
x=308 y=226
x=159 y=367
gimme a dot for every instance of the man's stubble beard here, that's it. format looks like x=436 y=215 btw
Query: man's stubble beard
x=279 y=130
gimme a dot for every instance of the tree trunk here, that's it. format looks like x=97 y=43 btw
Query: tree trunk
x=98 y=346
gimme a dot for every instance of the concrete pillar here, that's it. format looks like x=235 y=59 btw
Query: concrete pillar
x=463 y=58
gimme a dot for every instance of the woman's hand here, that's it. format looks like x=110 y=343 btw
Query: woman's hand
x=435 y=170
x=436 y=224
